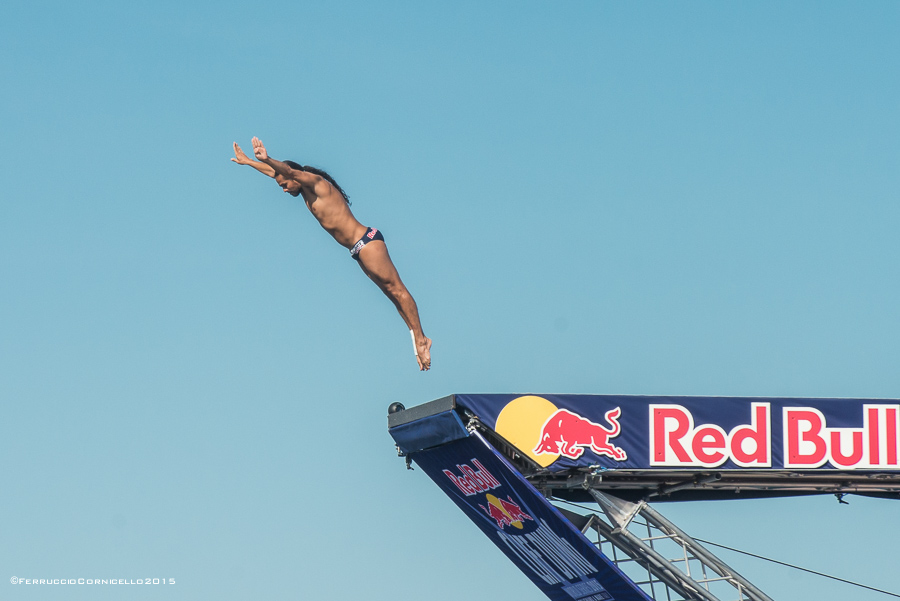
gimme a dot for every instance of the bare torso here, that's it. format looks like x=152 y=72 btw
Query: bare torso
x=333 y=214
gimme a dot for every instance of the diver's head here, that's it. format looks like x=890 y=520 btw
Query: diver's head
x=289 y=185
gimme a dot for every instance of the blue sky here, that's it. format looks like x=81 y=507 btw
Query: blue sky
x=584 y=197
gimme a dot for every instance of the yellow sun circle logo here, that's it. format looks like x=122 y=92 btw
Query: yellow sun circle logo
x=520 y=423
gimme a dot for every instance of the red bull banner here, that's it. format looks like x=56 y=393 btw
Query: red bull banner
x=560 y=432
x=532 y=533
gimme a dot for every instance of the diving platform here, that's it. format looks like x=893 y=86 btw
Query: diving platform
x=508 y=460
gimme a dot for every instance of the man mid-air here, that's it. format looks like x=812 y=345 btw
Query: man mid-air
x=329 y=205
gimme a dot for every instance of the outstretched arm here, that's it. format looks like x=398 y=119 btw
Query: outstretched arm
x=303 y=177
x=242 y=159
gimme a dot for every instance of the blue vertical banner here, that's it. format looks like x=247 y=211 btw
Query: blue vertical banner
x=532 y=533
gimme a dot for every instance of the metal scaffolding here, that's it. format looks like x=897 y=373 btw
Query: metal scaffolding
x=661 y=558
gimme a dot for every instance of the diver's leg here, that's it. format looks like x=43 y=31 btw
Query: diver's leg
x=376 y=263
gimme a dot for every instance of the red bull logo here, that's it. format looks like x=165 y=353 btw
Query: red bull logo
x=737 y=433
x=505 y=513
x=568 y=434
x=545 y=433
x=473 y=481
x=809 y=442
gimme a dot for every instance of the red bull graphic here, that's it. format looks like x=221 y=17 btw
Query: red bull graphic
x=472 y=481
x=505 y=513
x=686 y=433
x=569 y=434
x=532 y=533
x=675 y=441
x=809 y=442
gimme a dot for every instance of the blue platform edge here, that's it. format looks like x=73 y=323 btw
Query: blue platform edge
x=428 y=432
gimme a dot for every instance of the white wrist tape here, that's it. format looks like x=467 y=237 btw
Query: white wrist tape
x=415 y=348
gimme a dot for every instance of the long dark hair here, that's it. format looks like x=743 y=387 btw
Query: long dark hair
x=320 y=173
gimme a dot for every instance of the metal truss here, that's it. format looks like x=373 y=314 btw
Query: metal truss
x=664 y=561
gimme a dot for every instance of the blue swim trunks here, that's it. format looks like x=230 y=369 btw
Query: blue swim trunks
x=370 y=235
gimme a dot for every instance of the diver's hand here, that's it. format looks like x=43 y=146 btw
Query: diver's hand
x=259 y=150
x=239 y=157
